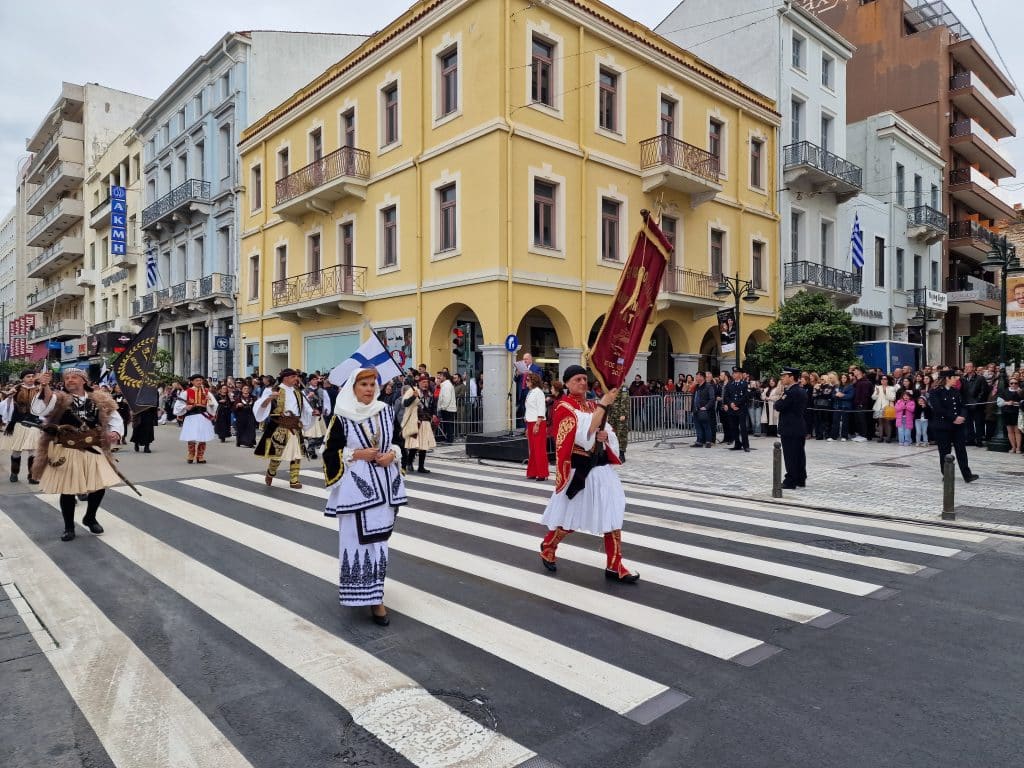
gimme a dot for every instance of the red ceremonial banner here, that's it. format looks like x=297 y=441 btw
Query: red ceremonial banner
x=618 y=341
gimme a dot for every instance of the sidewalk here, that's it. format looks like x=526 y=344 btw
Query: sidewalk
x=876 y=479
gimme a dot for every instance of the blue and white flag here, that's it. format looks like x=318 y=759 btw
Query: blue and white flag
x=152 y=275
x=857 y=243
x=371 y=354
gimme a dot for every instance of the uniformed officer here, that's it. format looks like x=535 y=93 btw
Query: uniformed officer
x=735 y=402
x=948 y=421
x=791 y=407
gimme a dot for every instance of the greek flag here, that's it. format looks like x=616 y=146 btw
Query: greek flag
x=371 y=354
x=152 y=275
x=857 y=243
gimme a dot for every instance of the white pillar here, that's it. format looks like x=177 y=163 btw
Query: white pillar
x=198 y=352
x=566 y=357
x=497 y=384
x=685 y=364
x=639 y=366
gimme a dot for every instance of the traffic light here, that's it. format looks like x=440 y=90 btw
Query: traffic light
x=458 y=340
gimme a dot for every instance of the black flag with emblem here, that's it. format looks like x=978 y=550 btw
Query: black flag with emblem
x=133 y=368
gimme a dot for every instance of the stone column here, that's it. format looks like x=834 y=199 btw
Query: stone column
x=685 y=364
x=639 y=366
x=198 y=351
x=180 y=363
x=497 y=384
x=567 y=357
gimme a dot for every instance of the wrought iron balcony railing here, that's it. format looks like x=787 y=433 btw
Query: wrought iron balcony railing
x=668 y=150
x=216 y=284
x=191 y=191
x=808 y=273
x=926 y=216
x=979 y=289
x=347 y=161
x=100 y=207
x=339 y=280
x=971 y=229
x=689 y=282
x=806 y=153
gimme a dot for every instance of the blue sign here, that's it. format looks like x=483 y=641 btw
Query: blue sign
x=69 y=348
x=222 y=342
x=512 y=343
x=118 y=193
x=118 y=221
x=53 y=345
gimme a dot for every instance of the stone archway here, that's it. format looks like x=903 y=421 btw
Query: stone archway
x=464 y=358
x=667 y=339
x=709 y=347
x=543 y=331
x=754 y=340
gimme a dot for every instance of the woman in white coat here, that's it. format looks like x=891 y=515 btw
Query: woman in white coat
x=885 y=408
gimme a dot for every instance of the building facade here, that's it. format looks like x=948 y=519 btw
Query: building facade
x=191 y=183
x=66 y=146
x=801 y=63
x=8 y=275
x=398 y=192
x=916 y=58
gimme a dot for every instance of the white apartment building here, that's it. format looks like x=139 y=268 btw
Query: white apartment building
x=8 y=275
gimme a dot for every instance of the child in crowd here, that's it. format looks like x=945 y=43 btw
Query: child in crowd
x=905 y=416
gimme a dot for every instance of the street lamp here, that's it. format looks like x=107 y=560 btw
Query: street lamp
x=733 y=286
x=1003 y=257
x=924 y=314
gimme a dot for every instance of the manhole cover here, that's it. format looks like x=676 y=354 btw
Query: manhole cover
x=888 y=464
x=851 y=547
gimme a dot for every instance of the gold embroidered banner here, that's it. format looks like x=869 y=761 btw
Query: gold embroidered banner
x=133 y=368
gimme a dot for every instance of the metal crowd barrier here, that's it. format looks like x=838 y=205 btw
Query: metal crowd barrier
x=657 y=417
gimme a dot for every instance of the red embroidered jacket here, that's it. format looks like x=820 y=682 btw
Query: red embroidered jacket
x=564 y=422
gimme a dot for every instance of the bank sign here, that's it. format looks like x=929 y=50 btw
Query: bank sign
x=118 y=221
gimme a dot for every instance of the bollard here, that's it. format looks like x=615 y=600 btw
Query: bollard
x=948 y=486
x=777 y=471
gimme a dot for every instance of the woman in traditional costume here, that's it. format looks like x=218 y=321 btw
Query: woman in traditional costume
x=367 y=489
x=417 y=424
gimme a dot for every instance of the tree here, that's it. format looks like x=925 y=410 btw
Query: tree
x=984 y=345
x=810 y=334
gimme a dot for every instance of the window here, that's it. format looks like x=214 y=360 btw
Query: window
x=256 y=187
x=900 y=185
x=795 y=225
x=389 y=236
x=313 y=260
x=346 y=236
x=92 y=255
x=199 y=164
x=717 y=252
x=879 y=262
x=282 y=163
x=181 y=120
x=390 y=117
x=225 y=151
x=254 y=277
x=543 y=65
x=827 y=69
x=826 y=133
x=449 y=62
x=316 y=145
x=826 y=243
x=796 y=120
x=917 y=271
x=715 y=139
x=610 y=229
x=544 y=214
x=668 y=117
x=757 y=266
x=446 y=211
x=348 y=128
x=756 y=160
x=668 y=228
x=918 y=190
x=935 y=197
x=899 y=269
x=197 y=105
x=935 y=275
x=281 y=262
x=608 y=86
x=225 y=85
x=182 y=169
x=798 y=52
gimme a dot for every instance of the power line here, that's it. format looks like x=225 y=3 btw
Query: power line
x=995 y=47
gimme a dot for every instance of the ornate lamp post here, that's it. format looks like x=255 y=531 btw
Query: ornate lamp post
x=733 y=286
x=1003 y=257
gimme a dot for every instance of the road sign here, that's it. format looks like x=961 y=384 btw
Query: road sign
x=222 y=342
x=512 y=343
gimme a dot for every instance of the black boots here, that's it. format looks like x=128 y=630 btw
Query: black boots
x=31 y=480
x=15 y=468
x=423 y=458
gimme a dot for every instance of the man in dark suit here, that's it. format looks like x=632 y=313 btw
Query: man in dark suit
x=948 y=421
x=791 y=407
x=735 y=402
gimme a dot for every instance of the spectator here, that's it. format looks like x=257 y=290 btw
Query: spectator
x=823 y=403
x=885 y=408
x=704 y=404
x=904 y=408
x=1011 y=397
x=770 y=392
x=863 y=389
x=842 y=404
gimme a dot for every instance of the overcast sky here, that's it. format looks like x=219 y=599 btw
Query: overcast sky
x=142 y=47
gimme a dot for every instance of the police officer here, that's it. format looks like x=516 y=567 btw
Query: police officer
x=948 y=421
x=735 y=402
x=791 y=407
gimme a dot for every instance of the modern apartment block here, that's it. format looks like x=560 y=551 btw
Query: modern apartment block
x=479 y=168
x=916 y=58
x=191 y=183
x=71 y=137
x=801 y=64
x=900 y=216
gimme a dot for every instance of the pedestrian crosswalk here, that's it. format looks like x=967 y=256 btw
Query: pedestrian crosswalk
x=225 y=616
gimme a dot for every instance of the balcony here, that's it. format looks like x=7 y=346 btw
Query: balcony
x=85 y=278
x=67 y=140
x=973 y=58
x=972 y=97
x=179 y=204
x=62 y=292
x=687 y=288
x=970 y=239
x=216 y=290
x=668 y=163
x=926 y=224
x=61 y=179
x=810 y=168
x=973 y=295
x=316 y=187
x=116 y=326
x=969 y=140
x=843 y=288
x=325 y=292
x=58 y=331
x=100 y=215
x=978 y=192
x=50 y=227
x=56 y=257
x=126 y=260
x=151 y=302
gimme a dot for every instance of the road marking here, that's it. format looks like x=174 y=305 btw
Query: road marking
x=589 y=677
x=680 y=630
x=405 y=717
x=140 y=717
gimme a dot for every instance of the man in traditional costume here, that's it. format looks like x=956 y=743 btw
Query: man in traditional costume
x=198 y=405
x=588 y=494
x=22 y=411
x=367 y=489
x=74 y=456
x=285 y=413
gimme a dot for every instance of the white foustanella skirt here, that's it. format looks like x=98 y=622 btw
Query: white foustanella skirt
x=598 y=508
x=197 y=428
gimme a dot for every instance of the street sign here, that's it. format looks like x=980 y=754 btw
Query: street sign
x=512 y=343
x=222 y=342
x=118 y=221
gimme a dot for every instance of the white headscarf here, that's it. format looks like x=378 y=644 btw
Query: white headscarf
x=349 y=406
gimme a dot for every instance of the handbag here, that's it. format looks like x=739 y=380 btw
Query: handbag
x=889 y=412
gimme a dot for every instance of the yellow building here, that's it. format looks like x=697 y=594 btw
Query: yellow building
x=481 y=165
